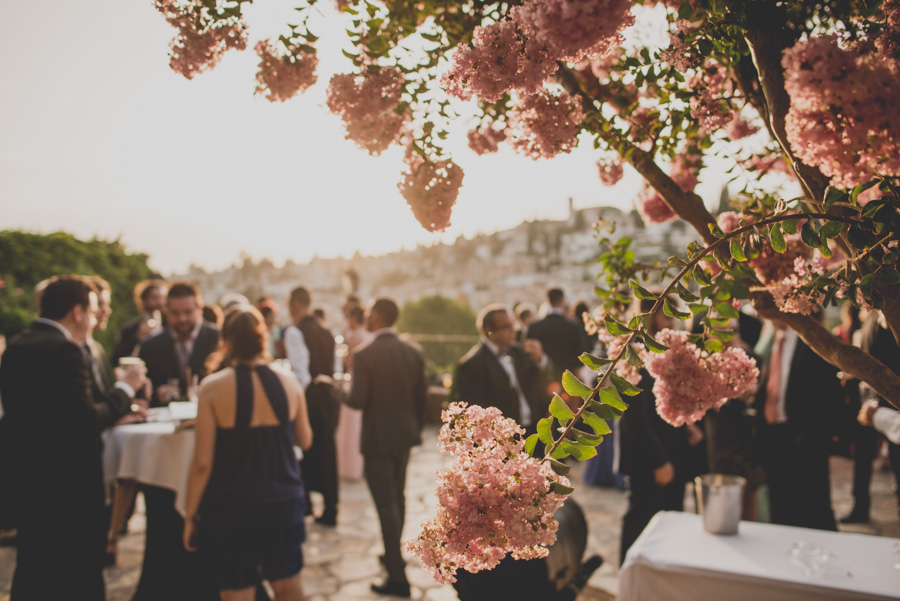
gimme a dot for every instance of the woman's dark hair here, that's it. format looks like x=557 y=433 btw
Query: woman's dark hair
x=245 y=334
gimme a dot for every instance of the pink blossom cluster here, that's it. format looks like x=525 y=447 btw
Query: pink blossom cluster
x=544 y=124
x=795 y=293
x=708 y=104
x=653 y=208
x=611 y=170
x=370 y=106
x=729 y=221
x=574 y=29
x=766 y=163
x=493 y=498
x=430 y=188
x=888 y=41
x=486 y=139
x=498 y=61
x=739 y=128
x=202 y=39
x=845 y=110
x=689 y=381
x=280 y=78
x=684 y=169
x=771 y=266
x=679 y=55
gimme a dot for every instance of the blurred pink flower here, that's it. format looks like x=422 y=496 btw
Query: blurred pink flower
x=280 y=77
x=370 y=106
x=430 y=188
x=544 y=124
x=202 y=38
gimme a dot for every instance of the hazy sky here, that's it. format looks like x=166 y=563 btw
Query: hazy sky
x=98 y=137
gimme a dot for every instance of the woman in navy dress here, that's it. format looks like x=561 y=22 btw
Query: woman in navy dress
x=245 y=503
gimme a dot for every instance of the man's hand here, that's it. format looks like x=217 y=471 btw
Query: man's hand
x=664 y=474
x=533 y=347
x=135 y=375
x=867 y=413
x=165 y=393
x=694 y=435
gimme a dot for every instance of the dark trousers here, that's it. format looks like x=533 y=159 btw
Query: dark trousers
x=798 y=479
x=169 y=572
x=645 y=499
x=386 y=477
x=319 y=464
x=865 y=448
x=60 y=560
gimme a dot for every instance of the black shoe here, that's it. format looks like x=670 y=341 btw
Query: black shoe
x=855 y=517
x=392 y=587
x=326 y=521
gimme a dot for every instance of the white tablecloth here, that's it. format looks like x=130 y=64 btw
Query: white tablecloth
x=676 y=560
x=152 y=453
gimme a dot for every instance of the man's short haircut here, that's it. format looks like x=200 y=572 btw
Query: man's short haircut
x=358 y=314
x=555 y=296
x=62 y=294
x=144 y=289
x=524 y=311
x=487 y=317
x=301 y=296
x=185 y=290
x=388 y=310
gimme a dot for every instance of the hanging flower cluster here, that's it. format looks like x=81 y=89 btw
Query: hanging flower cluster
x=370 y=106
x=494 y=499
x=845 y=110
x=201 y=40
x=610 y=170
x=280 y=77
x=430 y=187
x=708 y=102
x=544 y=124
x=689 y=381
x=796 y=292
x=485 y=139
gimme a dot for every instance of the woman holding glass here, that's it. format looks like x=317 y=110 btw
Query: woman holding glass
x=245 y=503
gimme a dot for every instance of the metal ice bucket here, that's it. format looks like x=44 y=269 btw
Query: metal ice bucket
x=720 y=500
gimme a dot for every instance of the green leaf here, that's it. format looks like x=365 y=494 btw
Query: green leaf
x=887 y=275
x=833 y=195
x=777 y=238
x=671 y=311
x=831 y=229
x=726 y=310
x=561 y=489
x=685 y=11
x=530 y=443
x=575 y=387
x=577 y=450
x=685 y=294
x=604 y=412
x=790 y=226
x=632 y=357
x=674 y=261
x=610 y=396
x=614 y=327
x=623 y=385
x=736 y=251
x=701 y=276
x=809 y=236
x=558 y=466
x=544 y=427
x=599 y=425
x=559 y=409
x=586 y=437
x=854 y=196
x=641 y=292
x=559 y=452
x=593 y=361
x=713 y=346
x=653 y=344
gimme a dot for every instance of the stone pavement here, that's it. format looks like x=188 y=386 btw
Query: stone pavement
x=342 y=562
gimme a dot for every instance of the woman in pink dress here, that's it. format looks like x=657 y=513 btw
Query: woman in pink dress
x=350 y=459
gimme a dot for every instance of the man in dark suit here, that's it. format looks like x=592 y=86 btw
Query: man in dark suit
x=50 y=428
x=498 y=373
x=310 y=350
x=561 y=338
x=150 y=298
x=799 y=398
x=389 y=387
x=180 y=351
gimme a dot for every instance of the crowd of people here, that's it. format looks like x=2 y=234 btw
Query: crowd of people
x=356 y=405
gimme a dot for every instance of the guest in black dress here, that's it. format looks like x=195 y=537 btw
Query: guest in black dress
x=245 y=502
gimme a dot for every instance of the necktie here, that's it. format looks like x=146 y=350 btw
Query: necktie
x=99 y=381
x=773 y=384
x=184 y=355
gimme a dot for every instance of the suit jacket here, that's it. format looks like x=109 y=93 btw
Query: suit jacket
x=389 y=387
x=481 y=380
x=562 y=339
x=110 y=402
x=50 y=427
x=128 y=339
x=159 y=355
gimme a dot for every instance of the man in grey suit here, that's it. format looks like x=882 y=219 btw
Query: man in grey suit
x=389 y=387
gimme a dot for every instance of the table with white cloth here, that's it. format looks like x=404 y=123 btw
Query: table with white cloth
x=675 y=559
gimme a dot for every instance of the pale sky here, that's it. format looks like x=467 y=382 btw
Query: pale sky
x=98 y=137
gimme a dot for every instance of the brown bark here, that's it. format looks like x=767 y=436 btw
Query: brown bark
x=845 y=357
